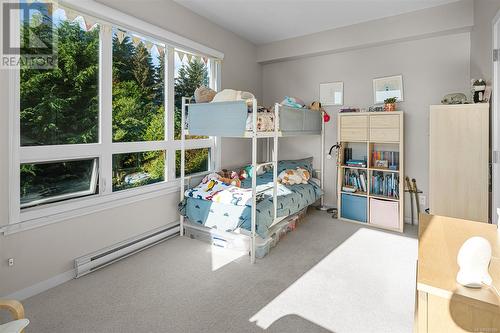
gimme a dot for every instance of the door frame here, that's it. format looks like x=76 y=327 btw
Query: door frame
x=495 y=118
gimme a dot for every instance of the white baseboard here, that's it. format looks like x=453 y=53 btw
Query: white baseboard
x=42 y=286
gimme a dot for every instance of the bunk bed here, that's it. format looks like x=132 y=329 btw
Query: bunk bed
x=271 y=206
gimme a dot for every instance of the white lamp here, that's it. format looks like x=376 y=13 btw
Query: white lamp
x=473 y=259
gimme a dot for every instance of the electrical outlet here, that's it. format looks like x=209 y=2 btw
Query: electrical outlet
x=422 y=200
x=11 y=262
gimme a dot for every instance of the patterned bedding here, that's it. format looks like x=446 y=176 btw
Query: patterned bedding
x=265 y=121
x=228 y=217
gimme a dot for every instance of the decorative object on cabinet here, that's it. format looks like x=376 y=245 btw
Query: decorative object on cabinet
x=376 y=108
x=332 y=93
x=459 y=161
x=455 y=98
x=478 y=89
x=370 y=176
x=390 y=104
x=387 y=87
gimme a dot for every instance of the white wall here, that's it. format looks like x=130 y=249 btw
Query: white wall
x=430 y=67
x=45 y=252
x=481 y=61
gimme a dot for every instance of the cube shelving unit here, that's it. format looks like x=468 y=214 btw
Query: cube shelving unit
x=365 y=133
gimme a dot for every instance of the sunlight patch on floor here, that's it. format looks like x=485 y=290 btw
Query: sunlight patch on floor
x=222 y=256
x=365 y=285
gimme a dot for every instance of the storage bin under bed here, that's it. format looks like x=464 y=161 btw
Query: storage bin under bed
x=241 y=241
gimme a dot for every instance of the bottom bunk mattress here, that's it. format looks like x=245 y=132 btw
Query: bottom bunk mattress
x=227 y=217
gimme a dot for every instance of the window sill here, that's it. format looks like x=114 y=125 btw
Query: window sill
x=42 y=216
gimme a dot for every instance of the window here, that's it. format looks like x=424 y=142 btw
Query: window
x=49 y=182
x=137 y=169
x=138 y=88
x=59 y=106
x=103 y=124
x=190 y=72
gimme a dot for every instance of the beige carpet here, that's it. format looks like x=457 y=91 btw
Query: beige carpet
x=327 y=276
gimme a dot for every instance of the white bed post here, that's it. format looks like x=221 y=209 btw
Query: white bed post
x=275 y=160
x=183 y=158
x=254 y=179
x=322 y=167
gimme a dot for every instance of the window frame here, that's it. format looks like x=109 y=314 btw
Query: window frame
x=104 y=149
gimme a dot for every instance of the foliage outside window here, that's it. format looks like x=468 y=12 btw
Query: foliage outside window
x=138 y=89
x=62 y=106
x=190 y=73
x=138 y=169
x=197 y=160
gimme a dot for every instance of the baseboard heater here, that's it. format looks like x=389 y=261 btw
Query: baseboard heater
x=93 y=261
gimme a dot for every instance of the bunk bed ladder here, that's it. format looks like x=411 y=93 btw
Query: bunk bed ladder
x=256 y=165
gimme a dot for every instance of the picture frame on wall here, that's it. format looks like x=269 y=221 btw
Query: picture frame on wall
x=387 y=87
x=331 y=93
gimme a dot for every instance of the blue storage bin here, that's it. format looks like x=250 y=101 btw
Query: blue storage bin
x=354 y=208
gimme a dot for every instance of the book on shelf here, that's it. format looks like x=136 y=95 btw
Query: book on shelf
x=355 y=179
x=385 y=184
x=385 y=159
x=349 y=189
x=356 y=163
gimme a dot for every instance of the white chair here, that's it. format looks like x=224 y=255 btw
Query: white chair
x=17 y=312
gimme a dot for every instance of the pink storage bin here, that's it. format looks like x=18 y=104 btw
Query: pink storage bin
x=384 y=213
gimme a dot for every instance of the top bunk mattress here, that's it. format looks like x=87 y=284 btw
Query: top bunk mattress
x=232 y=119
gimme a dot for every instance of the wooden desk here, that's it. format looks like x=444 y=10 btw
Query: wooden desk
x=442 y=305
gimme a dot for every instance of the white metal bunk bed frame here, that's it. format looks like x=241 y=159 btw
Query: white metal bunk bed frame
x=254 y=135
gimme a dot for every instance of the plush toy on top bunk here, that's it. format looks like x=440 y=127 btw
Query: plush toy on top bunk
x=316 y=106
x=204 y=94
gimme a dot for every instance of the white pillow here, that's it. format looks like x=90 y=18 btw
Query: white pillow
x=229 y=95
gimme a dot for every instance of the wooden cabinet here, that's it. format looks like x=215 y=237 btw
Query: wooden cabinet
x=442 y=305
x=459 y=161
x=354 y=128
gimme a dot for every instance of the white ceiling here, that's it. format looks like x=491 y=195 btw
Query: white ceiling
x=265 y=21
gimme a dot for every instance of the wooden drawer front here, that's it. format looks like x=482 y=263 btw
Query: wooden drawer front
x=354 y=134
x=354 y=122
x=384 y=121
x=384 y=134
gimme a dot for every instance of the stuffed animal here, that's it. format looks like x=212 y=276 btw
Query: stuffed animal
x=315 y=106
x=292 y=177
x=229 y=177
x=204 y=95
x=243 y=174
x=456 y=98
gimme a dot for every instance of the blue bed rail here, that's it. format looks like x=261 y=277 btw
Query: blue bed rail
x=228 y=119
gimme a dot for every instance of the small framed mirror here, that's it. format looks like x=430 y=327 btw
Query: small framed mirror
x=331 y=93
x=387 y=87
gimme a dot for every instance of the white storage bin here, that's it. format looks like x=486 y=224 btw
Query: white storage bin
x=229 y=240
x=384 y=213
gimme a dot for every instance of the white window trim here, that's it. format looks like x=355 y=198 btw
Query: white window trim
x=34 y=217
